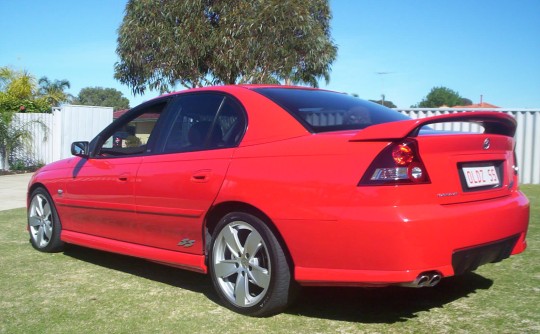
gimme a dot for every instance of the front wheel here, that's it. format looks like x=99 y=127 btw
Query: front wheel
x=248 y=266
x=43 y=223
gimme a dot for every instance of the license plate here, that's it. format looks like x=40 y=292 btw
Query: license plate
x=480 y=176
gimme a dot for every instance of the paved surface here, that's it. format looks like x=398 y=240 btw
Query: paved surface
x=13 y=191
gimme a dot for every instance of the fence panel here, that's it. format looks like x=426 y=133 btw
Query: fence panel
x=39 y=149
x=52 y=134
x=77 y=123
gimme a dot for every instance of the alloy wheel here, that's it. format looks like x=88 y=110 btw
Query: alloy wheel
x=40 y=221
x=242 y=264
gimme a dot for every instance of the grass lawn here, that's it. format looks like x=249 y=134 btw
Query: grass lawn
x=87 y=291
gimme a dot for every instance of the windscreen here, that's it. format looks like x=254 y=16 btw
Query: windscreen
x=320 y=110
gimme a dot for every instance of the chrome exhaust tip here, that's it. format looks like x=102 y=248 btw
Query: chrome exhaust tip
x=422 y=281
x=427 y=279
x=435 y=279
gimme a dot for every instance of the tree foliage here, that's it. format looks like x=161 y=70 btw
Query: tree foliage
x=200 y=42
x=385 y=103
x=18 y=84
x=19 y=92
x=11 y=104
x=54 y=91
x=105 y=97
x=441 y=96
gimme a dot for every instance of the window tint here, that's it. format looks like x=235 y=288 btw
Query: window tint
x=131 y=137
x=320 y=110
x=204 y=121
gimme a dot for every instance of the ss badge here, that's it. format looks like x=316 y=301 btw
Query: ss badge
x=186 y=242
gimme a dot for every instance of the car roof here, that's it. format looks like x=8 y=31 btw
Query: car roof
x=231 y=88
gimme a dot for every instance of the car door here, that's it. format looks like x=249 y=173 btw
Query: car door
x=175 y=189
x=100 y=197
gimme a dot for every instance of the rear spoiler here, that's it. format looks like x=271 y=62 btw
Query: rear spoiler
x=492 y=122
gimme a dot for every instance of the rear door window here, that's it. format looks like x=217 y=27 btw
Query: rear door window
x=202 y=121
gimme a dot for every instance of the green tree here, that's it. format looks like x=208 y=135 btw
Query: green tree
x=105 y=97
x=19 y=92
x=6 y=74
x=200 y=42
x=441 y=96
x=54 y=91
x=385 y=103
x=9 y=103
x=18 y=84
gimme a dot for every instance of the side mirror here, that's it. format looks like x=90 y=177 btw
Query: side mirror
x=80 y=149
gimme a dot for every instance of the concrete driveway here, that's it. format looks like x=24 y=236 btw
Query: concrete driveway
x=13 y=191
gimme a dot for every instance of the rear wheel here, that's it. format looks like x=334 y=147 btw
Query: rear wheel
x=43 y=223
x=248 y=266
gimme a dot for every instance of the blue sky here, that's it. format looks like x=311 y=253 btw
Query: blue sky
x=400 y=48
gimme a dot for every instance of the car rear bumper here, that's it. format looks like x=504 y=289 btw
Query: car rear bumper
x=376 y=246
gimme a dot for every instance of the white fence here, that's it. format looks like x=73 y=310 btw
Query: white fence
x=52 y=134
x=527 y=135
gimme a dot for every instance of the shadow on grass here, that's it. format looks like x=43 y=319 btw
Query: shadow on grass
x=384 y=305
x=179 y=278
x=366 y=305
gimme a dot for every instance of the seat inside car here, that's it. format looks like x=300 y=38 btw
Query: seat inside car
x=198 y=134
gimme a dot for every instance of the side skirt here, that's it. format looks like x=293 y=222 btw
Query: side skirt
x=176 y=259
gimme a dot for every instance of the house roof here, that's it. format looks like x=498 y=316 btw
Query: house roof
x=119 y=113
x=142 y=118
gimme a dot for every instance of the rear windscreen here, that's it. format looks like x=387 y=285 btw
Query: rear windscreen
x=320 y=110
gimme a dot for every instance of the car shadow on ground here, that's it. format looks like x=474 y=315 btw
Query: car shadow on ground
x=366 y=305
x=176 y=277
x=384 y=305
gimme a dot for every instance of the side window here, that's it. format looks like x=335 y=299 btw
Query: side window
x=232 y=122
x=204 y=121
x=132 y=136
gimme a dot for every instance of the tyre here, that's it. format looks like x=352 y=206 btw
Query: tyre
x=248 y=266
x=43 y=223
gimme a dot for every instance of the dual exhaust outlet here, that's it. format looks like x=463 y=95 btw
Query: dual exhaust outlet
x=426 y=279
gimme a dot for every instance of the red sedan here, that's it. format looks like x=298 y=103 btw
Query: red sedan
x=268 y=188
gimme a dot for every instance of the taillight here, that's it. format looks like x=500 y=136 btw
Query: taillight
x=402 y=154
x=515 y=179
x=515 y=164
x=398 y=163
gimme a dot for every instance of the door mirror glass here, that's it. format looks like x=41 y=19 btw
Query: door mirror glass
x=80 y=149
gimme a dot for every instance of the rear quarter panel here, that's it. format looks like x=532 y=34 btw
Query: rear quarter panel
x=302 y=178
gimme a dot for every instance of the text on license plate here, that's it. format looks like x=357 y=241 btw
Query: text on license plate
x=480 y=176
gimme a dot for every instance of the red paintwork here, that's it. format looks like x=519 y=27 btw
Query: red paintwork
x=336 y=232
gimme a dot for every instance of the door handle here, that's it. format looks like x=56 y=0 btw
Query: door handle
x=123 y=177
x=201 y=176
